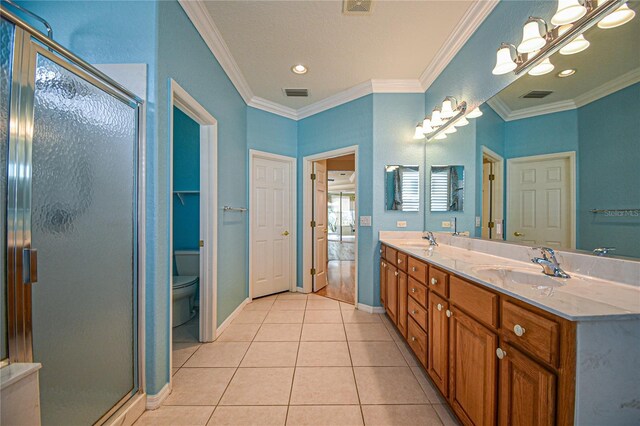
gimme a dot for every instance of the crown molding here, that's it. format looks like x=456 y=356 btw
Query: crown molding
x=273 y=107
x=500 y=108
x=359 y=90
x=619 y=83
x=471 y=20
x=396 y=86
x=199 y=16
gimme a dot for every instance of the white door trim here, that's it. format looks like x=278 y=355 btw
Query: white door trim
x=498 y=182
x=571 y=157
x=307 y=191
x=208 y=209
x=253 y=154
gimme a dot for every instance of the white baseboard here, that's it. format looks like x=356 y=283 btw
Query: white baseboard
x=156 y=400
x=300 y=290
x=231 y=317
x=371 y=309
x=130 y=412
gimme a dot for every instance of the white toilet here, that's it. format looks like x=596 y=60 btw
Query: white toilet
x=185 y=285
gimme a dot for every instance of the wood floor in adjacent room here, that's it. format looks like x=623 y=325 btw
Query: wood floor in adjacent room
x=340 y=281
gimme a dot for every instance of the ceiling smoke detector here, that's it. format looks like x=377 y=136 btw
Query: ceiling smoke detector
x=296 y=93
x=356 y=7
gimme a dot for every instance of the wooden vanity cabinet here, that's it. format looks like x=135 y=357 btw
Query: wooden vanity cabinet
x=438 y=342
x=383 y=281
x=401 y=320
x=392 y=293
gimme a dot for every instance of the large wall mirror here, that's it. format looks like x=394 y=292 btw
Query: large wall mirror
x=402 y=188
x=555 y=159
x=447 y=189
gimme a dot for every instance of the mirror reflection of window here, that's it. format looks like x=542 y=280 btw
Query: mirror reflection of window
x=447 y=188
x=402 y=188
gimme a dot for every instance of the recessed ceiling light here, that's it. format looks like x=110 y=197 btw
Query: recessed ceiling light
x=566 y=73
x=299 y=69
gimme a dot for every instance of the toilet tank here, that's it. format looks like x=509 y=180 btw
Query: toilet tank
x=187 y=262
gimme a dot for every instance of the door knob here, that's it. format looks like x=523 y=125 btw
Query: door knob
x=518 y=234
x=285 y=233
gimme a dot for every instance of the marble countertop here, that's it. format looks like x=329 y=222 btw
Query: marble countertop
x=579 y=298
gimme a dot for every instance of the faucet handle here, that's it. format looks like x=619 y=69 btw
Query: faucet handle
x=603 y=251
x=547 y=252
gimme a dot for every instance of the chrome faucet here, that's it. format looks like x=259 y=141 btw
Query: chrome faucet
x=549 y=263
x=603 y=251
x=430 y=237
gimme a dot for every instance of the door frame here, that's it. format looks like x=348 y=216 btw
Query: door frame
x=291 y=161
x=307 y=208
x=208 y=280
x=571 y=157
x=498 y=184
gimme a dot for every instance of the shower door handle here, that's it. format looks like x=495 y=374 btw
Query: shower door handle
x=29 y=266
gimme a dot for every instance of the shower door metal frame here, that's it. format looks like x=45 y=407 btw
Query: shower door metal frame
x=28 y=44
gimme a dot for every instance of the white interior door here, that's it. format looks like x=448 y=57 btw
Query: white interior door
x=320 y=230
x=540 y=202
x=271 y=224
x=486 y=199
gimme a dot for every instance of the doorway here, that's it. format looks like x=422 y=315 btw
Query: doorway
x=492 y=195
x=332 y=243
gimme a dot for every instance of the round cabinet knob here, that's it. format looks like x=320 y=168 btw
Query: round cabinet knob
x=500 y=353
x=413 y=268
x=439 y=306
x=518 y=329
x=399 y=260
x=413 y=339
x=434 y=281
x=413 y=290
x=384 y=265
x=396 y=273
x=380 y=251
x=449 y=313
x=414 y=312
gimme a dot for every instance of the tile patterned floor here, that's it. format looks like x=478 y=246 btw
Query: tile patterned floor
x=299 y=360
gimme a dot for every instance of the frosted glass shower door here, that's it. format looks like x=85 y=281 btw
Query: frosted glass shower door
x=83 y=224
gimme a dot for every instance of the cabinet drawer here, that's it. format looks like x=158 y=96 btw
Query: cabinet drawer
x=531 y=331
x=438 y=281
x=478 y=302
x=401 y=261
x=390 y=254
x=418 y=270
x=417 y=312
x=417 y=339
x=418 y=291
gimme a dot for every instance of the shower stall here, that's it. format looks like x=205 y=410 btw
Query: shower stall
x=69 y=255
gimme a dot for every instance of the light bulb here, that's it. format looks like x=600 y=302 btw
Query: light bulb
x=426 y=126
x=447 y=110
x=531 y=38
x=544 y=67
x=418 y=134
x=504 y=61
x=440 y=136
x=450 y=129
x=474 y=113
x=576 y=45
x=568 y=11
x=462 y=121
x=436 y=120
x=618 y=17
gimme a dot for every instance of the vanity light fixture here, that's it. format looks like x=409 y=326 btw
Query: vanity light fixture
x=572 y=18
x=450 y=129
x=440 y=136
x=426 y=126
x=447 y=107
x=299 y=69
x=618 y=17
x=566 y=73
x=418 y=134
x=476 y=112
x=443 y=121
x=462 y=121
x=436 y=119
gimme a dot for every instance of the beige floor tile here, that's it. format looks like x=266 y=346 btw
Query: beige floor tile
x=271 y=354
x=198 y=386
x=447 y=418
x=284 y=317
x=376 y=354
x=323 y=333
x=250 y=317
x=323 y=354
x=322 y=317
x=279 y=333
x=289 y=304
x=218 y=354
x=326 y=304
x=259 y=386
x=323 y=385
x=388 y=385
x=433 y=395
x=367 y=332
x=174 y=371
x=357 y=316
x=260 y=305
x=249 y=416
x=181 y=351
x=407 y=353
x=395 y=334
x=239 y=333
x=322 y=415
x=171 y=416
x=400 y=415
x=347 y=306
x=292 y=296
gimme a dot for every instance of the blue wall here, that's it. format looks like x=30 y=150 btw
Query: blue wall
x=543 y=134
x=186 y=177
x=271 y=133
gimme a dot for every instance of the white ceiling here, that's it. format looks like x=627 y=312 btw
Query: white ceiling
x=401 y=45
x=341 y=181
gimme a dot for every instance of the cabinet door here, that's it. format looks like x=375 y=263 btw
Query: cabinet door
x=527 y=391
x=474 y=370
x=438 y=342
x=392 y=293
x=402 y=303
x=383 y=281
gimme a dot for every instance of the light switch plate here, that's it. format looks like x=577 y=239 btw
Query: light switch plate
x=477 y=221
x=365 y=220
x=401 y=224
x=446 y=224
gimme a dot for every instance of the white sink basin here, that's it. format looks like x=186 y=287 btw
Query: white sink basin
x=511 y=275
